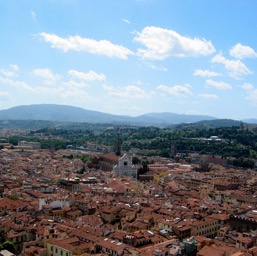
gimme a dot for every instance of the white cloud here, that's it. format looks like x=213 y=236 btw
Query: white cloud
x=88 y=76
x=240 y=51
x=47 y=74
x=219 y=85
x=209 y=96
x=15 y=67
x=128 y=92
x=126 y=21
x=6 y=72
x=205 y=73
x=16 y=84
x=176 y=90
x=13 y=71
x=163 y=43
x=77 y=43
x=248 y=86
x=236 y=68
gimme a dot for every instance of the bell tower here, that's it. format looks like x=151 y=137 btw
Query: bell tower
x=118 y=146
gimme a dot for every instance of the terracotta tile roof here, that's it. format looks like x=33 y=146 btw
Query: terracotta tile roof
x=211 y=251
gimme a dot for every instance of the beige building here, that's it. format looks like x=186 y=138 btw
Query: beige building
x=207 y=227
x=66 y=247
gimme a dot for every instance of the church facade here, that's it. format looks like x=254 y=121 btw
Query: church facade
x=125 y=167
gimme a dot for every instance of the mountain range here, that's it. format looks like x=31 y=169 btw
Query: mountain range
x=64 y=113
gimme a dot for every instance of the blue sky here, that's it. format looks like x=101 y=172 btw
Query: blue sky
x=131 y=57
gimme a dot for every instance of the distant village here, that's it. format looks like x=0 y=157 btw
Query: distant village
x=52 y=203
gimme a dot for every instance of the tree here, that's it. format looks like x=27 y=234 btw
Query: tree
x=135 y=160
x=2 y=238
x=8 y=245
x=144 y=167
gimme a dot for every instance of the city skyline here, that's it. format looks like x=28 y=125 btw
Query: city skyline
x=131 y=57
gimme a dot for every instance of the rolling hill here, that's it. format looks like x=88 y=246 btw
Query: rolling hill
x=64 y=113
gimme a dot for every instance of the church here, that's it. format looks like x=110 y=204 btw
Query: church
x=124 y=166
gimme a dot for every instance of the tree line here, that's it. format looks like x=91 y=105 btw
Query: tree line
x=235 y=142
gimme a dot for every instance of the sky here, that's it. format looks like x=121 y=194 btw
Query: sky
x=131 y=57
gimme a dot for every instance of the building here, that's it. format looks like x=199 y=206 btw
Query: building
x=108 y=161
x=125 y=167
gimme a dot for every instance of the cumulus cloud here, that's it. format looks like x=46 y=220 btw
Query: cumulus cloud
x=10 y=72
x=240 y=51
x=219 y=85
x=205 y=73
x=176 y=90
x=16 y=84
x=209 y=96
x=87 y=76
x=163 y=43
x=47 y=74
x=235 y=68
x=79 y=44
